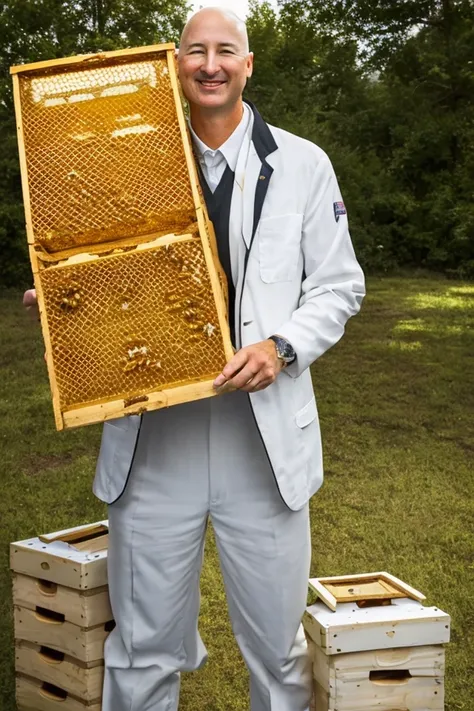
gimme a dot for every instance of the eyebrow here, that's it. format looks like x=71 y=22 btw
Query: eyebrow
x=201 y=45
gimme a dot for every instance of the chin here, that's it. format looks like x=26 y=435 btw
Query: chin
x=211 y=102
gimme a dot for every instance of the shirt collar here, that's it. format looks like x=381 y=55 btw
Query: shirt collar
x=230 y=149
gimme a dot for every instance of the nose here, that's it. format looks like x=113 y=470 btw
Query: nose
x=211 y=64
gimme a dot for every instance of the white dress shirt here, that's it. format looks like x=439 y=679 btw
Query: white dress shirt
x=213 y=162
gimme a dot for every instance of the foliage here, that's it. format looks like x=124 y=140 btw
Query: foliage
x=35 y=30
x=386 y=87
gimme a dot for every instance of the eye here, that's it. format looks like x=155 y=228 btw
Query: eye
x=196 y=51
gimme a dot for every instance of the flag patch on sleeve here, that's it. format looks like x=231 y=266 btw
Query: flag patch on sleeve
x=339 y=209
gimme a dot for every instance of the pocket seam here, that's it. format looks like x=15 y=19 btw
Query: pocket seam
x=283 y=269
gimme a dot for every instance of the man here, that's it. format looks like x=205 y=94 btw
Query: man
x=249 y=459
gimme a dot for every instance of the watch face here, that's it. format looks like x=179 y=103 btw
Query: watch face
x=288 y=352
x=284 y=349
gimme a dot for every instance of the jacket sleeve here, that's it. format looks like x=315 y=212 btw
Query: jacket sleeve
x=333 y=284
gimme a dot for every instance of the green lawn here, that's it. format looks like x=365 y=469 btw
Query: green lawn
x=396 y=401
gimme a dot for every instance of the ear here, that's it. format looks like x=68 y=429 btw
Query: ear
x=249 y=65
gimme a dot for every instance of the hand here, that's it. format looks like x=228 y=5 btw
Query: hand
x=252 y=368
x=30 y=303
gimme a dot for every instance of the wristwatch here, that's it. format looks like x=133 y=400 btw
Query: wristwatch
x=284 y=349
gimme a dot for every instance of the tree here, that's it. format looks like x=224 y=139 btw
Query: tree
x=35 y=30
x=386 y=87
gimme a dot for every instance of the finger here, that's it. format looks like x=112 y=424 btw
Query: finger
x=243 y=378
x=256 y=387
x=232 y=368
x=29 y=298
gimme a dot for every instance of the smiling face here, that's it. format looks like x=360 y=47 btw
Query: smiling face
x=214 y=60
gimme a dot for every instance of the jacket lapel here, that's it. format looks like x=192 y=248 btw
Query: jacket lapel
x=251 y=188
x=237 y=205
x=257 y=176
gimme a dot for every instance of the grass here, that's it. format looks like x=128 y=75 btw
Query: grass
x=396 y=402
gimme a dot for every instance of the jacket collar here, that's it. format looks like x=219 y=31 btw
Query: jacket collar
x=262 y=137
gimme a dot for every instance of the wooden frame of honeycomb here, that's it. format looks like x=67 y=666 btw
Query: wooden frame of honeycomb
x=131 y=294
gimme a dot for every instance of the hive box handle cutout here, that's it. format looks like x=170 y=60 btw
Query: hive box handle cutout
x=54 y=693
x=51 y=656
x=47 y=588
x=49 y=616
x=392 y=677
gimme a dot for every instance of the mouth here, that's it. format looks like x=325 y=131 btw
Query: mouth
x=211 y=84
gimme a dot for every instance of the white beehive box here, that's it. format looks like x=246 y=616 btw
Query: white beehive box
x=374 y=646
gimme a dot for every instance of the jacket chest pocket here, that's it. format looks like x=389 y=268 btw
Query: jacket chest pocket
x=279 y=240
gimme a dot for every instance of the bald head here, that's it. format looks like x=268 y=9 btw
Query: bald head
x=214 y=62
x=217 y=15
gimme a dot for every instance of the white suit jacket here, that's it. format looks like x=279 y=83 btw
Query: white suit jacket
x=296 y=275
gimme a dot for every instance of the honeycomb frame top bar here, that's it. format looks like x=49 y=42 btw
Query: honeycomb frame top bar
x=87 y=59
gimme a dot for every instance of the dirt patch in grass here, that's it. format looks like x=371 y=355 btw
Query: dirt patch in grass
x=37 y=464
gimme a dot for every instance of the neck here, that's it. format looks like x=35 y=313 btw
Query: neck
x=214 y=127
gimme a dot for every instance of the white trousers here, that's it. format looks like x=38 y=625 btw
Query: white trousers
x=195 y=461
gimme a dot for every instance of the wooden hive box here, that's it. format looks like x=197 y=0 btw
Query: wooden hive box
x=374 y=646
x=74 y=558
x=46 y=630
x=131 y=294
x=62 y=617
x=87 y=608
x=35 y=695
x=81 y=680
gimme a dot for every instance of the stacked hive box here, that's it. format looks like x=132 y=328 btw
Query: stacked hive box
x=374 y=646
x=62 y=618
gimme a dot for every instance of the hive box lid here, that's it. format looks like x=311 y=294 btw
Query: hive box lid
x=403 y=623
x=75 y=557
x=364 y=588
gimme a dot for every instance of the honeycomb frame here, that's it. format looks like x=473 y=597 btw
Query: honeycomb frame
x=131 y=294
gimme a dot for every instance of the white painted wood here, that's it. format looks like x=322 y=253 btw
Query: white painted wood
x=404 y=623
x=31 y=697
x=419 y=661
x=77 y=678
x=60 y=562
x=78 y=642
x=84 y=608
x=415 y=694
x=367 y=681
x=357 y=666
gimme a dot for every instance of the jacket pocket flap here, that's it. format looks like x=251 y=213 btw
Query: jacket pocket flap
x=307 y=414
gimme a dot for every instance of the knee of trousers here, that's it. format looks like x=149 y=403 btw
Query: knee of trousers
x=183 y=651
x=280 y=658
